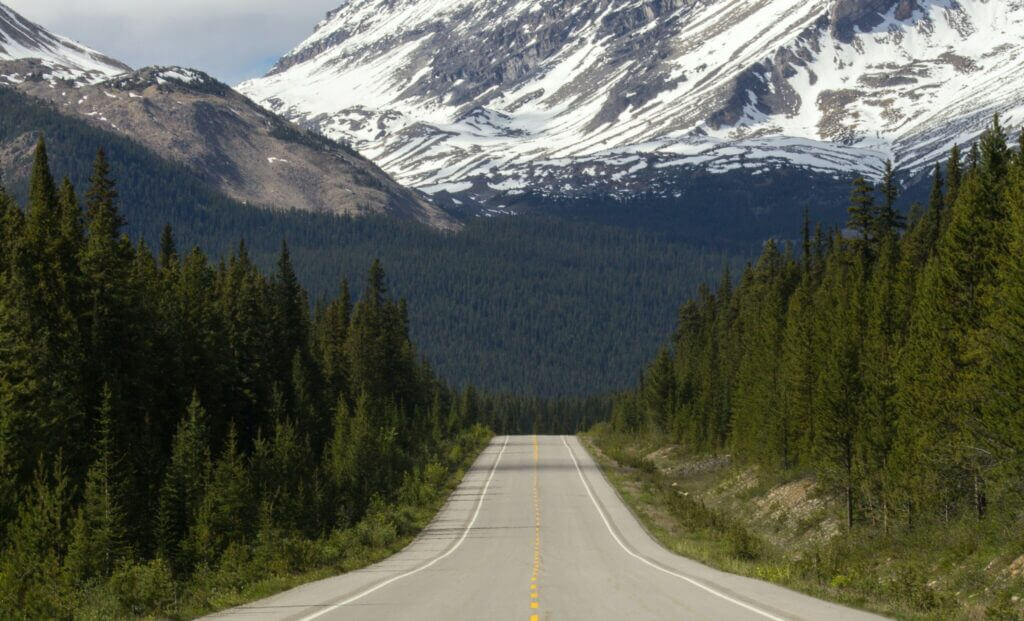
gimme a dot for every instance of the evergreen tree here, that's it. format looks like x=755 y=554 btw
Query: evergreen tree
x=888 y=220
x=40 y=384
x=225 y=516
x=798 y=374
x=862 y=209
x=761 y=427
x=98 y=536
x=168 y=249
x=338 y=465
x=183 y=489
x=1000 y=381
x=658 y=391
x=30 y=564
x=955 y=177
x=878 y=369
x=101 y=199
x=840 y=385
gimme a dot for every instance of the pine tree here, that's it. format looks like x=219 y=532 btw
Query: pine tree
x=955 y=177
x=337 y=465
x=98 y=536
x=862 y=209
x=168 y=250
x=71 y=232
x=798 y=373
x=658 y=391
x=101 y=199
x=183 y=489
x=888 y=220
x=30 y=564
x=225 y=516
x=839 y=384
x=42 y=192
x=878 y=368
x=1020 y=149
x=1000 y=380
x=40 y=383
x=10 y=229
x=333 y=332
x=109 y=305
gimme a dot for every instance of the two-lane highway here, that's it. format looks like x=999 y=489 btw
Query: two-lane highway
x=535 y=532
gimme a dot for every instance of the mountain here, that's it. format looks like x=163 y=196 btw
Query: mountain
x=185 y=116
x=27 y=48
x=501 y=100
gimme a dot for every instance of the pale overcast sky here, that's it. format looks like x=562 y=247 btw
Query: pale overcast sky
x=229 y=39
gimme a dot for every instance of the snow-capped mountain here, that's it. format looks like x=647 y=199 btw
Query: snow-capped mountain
x=504 y=96
x=237 y=147
x=43 y=52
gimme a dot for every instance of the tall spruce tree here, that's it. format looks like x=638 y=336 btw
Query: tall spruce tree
x=840 y=385
x=862 y=209
x=887 y=220
x=183 y=488
x=98 y=537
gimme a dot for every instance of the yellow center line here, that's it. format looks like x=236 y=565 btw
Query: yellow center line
x=534 y=604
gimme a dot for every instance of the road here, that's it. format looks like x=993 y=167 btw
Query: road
x=535 y=532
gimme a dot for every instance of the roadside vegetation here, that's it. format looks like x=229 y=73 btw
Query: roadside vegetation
x=178 y=436
x=884 y=366
x=276 y=559
x=782 y=528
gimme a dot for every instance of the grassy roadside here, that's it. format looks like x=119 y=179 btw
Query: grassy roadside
x=278 y=561
x=781 y=530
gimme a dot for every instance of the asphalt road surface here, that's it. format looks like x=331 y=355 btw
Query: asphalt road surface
x=535 y=532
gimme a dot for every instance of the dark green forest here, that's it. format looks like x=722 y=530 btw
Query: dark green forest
x=530 y=305
x=173 y=429
x=886 y=360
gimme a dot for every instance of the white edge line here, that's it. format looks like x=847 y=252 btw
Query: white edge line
x=640 y=558
x=465 y=533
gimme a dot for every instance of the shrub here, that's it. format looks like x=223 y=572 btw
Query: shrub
x=143 y=589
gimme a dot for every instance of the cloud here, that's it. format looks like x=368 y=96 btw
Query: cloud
x=229 y=39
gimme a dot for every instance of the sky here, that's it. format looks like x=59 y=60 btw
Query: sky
x=230 y=39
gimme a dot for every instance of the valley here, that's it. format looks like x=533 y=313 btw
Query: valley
x=516 y=309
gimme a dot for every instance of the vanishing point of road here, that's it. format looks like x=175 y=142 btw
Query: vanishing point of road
x=536 y=533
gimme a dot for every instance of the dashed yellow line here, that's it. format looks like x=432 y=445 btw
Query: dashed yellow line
x=534 y=596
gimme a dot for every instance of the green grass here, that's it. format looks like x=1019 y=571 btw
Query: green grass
x=943 y=571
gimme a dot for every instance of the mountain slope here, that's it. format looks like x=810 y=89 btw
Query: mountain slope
x=493 y=98
x=57 y=56
x=228 y=142
x=518 y=305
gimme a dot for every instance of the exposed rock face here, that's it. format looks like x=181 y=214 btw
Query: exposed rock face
x=497 y=97
x=184 y=115
x=847 y=16
x=235 y=145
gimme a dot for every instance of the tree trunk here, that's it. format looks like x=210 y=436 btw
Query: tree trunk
x=849 y=507
x=980 y=502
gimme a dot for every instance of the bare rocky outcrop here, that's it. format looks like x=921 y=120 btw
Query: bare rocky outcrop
x=234 y=145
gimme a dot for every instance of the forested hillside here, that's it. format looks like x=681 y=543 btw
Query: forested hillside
x=888 y=363
x=173 y=430
x=527 y=305
x=846 y=416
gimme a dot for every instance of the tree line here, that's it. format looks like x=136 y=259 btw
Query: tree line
x=886 y=359
x=158 y=406
x=518 y=305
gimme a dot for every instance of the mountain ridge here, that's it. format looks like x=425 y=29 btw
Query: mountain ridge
x=477 y=99
x=246 y=152
x=22 y=39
